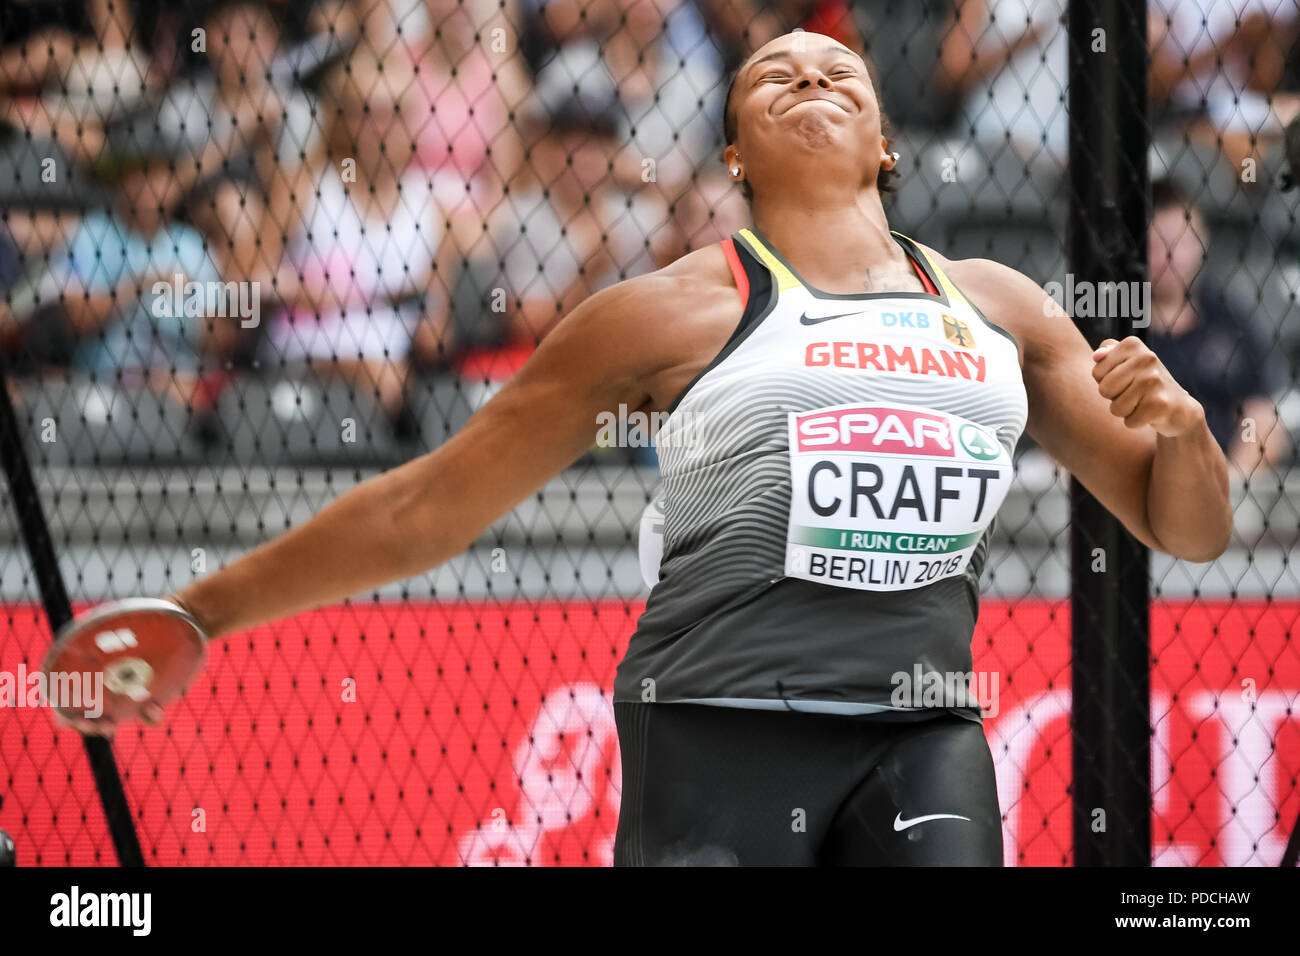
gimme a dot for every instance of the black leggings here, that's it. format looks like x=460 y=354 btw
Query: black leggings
x=723 y=786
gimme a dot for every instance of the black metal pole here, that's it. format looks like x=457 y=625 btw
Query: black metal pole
x=1109 y=604
x=45 y=565
x=1291 y=855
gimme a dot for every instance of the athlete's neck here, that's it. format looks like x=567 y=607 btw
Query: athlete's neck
x=840 y=246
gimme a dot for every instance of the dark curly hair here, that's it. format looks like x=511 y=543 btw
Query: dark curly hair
x=886 y=179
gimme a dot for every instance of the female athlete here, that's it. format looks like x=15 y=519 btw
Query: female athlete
x=844 y=403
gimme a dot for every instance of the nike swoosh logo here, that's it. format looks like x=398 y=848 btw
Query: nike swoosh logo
x=901 y=824
x=807 y=319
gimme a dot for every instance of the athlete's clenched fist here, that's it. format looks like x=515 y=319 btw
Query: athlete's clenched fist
x=1141 y=390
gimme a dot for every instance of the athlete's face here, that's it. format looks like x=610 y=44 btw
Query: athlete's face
x=802 y=96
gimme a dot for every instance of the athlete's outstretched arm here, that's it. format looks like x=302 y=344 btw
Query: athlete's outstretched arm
x=409 y=519
x=1115 y=419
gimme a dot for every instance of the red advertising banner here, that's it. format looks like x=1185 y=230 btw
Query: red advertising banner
x=482 y=733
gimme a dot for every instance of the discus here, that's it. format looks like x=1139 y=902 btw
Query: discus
x=132 y=652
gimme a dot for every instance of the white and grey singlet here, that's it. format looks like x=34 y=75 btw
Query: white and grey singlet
x=830 y=480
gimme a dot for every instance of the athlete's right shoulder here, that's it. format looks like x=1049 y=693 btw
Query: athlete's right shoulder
x=706 y=264
x=655 y=327
x=703 y=272
x=682 y=293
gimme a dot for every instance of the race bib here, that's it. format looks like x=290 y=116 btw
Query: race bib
x=889 y=497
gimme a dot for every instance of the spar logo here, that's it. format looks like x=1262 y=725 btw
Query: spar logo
x=880 y=428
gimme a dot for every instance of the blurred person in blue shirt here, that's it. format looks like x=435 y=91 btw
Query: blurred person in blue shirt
x=1208 y=341
x=111 y=288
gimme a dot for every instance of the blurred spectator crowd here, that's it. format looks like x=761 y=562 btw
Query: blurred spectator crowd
x=204 y=196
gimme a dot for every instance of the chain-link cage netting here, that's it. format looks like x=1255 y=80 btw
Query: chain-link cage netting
x=253 y=253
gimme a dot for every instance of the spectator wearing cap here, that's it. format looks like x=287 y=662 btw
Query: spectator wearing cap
x=1207 y=341
x=652 y=65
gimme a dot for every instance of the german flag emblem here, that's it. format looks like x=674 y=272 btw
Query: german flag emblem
x=958 y=332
